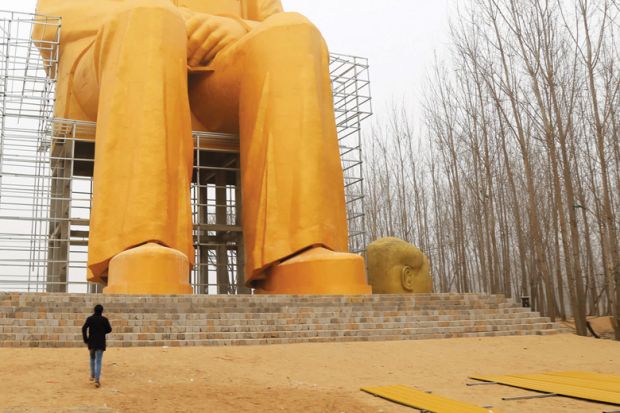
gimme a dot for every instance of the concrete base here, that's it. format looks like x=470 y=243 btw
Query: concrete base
x=317 y=271
x=149 y=269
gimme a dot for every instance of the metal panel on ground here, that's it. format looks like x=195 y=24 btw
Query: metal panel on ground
x=418 y=399
x=588 y=375
x=581 y=385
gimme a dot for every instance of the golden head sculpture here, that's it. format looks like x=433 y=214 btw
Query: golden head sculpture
x=397 y=267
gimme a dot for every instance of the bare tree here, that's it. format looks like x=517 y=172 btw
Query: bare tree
x=513 y=184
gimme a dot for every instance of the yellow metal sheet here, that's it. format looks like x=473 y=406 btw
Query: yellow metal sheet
x=424 y=401
x=588 y=375
x=590 y=391
x=572 y=381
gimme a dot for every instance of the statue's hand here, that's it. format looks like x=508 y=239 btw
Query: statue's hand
x=208 y=35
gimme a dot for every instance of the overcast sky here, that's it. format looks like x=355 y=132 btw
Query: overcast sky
x=398 y=36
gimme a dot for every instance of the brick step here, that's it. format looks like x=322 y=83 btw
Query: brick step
x=237 y=327
x=255 y=342
x=284 y=334
x=234 y=304
x=342 y=312
x=54 y=320
x=275 y=318
x=79 y=312
x=231 y=307
x=251 y=299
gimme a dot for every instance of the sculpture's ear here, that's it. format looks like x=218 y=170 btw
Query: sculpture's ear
x=407 y=278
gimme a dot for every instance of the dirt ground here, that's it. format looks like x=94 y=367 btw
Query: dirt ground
x=295 y=378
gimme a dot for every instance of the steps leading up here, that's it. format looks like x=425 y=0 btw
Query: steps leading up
x=55 y=320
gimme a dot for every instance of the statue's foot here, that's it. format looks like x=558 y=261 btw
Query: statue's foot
x=317 y=271
x=149 y=269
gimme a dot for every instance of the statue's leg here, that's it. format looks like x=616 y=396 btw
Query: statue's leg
x=135 y=77
x=275 y=85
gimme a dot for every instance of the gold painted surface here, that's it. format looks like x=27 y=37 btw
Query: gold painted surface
x=573 y=381
x=318 y=271
x=124 y=65
x=579 y=385
x=588 y=375
x=212 y=6
x=424 y=401
x=167 y=271
x=397 y=267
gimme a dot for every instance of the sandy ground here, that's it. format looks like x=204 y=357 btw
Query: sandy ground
x=295 y=378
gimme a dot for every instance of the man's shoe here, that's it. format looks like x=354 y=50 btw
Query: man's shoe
x=97 y=384
x=92 y=379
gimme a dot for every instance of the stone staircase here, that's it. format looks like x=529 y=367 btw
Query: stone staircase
x=55 y=320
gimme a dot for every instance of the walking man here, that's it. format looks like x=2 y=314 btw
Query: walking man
x=94 y=331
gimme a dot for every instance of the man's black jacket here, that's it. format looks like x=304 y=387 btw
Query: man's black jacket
x=98 y=326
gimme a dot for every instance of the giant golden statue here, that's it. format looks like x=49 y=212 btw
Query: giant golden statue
x=148 y=71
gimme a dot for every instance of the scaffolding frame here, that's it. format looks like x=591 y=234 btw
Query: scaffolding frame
x=46 y=168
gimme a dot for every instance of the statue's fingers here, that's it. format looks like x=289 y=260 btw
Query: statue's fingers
x=198 y=57
x=193 y=23
x=211 y=41
x=198 y=37
x=216 y=49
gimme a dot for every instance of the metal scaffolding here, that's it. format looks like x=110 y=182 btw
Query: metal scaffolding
x=46 y=169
